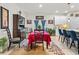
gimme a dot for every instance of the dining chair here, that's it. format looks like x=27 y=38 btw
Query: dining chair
x=39 y=38
x=60 y=34
x=66 y=36
x=11 y=40
x=74 y=38
x=36 y=23
x=25 y=34
x=43 y=23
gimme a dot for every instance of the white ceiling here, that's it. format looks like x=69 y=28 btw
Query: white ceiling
x=48 y=8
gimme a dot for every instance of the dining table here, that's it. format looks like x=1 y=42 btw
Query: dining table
x=46 y=38
x=76 y=31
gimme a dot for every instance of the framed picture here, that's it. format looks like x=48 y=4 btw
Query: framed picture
x=71 y=14
x=50 y=22
x=29 y=21
x=4 y=18
x=39 y=17
x=76 y=15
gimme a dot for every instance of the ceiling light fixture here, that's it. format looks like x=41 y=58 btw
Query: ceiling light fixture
x=40 y=5
x=66 y=11
x=69 y=20
x=72 y=6
x=57 y=11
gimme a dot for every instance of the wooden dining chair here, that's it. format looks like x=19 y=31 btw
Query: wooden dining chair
x=39 y=38
x=60 y=34
x=11 y=40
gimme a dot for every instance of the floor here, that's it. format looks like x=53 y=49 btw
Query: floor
x=24 y=51
x=64 y=48
x=55 y=40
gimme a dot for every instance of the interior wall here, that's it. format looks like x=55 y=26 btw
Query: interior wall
x=46 y=17
x=13 y=9
x=74 y=21
x=59 y=20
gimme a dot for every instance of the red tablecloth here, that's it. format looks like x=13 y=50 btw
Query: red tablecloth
x=46 y=37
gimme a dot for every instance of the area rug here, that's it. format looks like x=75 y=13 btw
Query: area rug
x=54 y=50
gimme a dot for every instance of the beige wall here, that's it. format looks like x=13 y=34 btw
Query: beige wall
x=74 y=21
x=13 y=9
x=32 y=17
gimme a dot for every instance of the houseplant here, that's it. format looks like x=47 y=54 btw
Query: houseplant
x=3 y=41
x=51 y=31
x=39 y=27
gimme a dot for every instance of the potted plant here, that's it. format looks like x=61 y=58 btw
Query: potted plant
x=39 y=27
x=3 y=41
x=51 y=31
